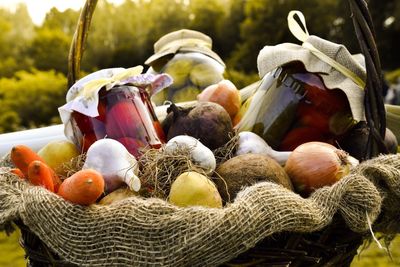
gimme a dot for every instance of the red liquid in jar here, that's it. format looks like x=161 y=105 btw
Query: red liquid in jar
x=124 y=116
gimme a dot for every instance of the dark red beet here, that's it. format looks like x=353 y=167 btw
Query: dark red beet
x=209 y=122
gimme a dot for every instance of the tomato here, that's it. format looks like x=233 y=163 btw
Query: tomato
x=329 y=101
x=309 y=115
x=298 y=136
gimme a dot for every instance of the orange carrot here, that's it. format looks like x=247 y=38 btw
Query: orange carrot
x=17 y=172
x=83 y=187
x=40 y=174
x=22 y=156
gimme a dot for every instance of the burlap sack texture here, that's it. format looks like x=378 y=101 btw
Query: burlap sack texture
x=144 y=232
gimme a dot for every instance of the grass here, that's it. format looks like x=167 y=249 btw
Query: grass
x=373 y=256
x=12 y=255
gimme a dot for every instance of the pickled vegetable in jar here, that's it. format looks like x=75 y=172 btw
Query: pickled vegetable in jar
x=124 y=115
x=300 y=109
x=114 y=103
x=187 y=57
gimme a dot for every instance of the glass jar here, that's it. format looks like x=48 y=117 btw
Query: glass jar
x=187 y=57
x=301 y=109
x=126 y=115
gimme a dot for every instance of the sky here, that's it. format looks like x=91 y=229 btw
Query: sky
x=38 y=8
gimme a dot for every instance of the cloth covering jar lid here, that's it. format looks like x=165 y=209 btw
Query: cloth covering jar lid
x=183 y=41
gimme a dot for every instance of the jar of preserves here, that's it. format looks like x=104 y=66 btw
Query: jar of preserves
x=299 y=108
x=188 y=58
x=114 y=103
x=124 y=115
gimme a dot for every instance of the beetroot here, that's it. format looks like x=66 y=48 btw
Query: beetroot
x=209 y=122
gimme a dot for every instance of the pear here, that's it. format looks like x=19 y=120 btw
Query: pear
x=57 y=153
x=194 y=189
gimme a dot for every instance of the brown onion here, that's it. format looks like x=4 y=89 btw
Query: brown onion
x=314 y=165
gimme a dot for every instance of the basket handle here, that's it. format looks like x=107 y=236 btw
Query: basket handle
x=79 y=40
x=374 y=105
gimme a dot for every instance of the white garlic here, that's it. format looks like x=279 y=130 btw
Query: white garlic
x=200 y=154
x=114 y=162
x=250 y=142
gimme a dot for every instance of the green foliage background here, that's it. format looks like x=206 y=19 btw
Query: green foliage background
x=33 y=58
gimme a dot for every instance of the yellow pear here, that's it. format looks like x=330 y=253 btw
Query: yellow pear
x=194 y=189
x=56 y=153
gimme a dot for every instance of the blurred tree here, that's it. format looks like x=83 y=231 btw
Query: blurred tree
x=17 y=30
x=124 y=35
x=64 y=21
x=101 y=44
x=49 y=50
x=31 y=99
x=228 y=32
x=265 y=23
x=386 y=18
x=207 y=17
x=162 y=17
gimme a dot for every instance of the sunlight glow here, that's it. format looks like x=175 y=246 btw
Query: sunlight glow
x=38 y=8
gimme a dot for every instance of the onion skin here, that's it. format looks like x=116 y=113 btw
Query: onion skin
x=224 y=93
x=314 y=165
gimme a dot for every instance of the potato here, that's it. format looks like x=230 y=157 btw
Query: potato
x=117 y=195
x=246 y=170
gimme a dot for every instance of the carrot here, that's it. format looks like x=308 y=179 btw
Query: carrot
x=17 y=172
x=22 y=156
x=40 y=174
x=56 y=180
x=83 y=187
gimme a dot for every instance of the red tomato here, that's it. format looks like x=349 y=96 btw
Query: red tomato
x=87 y=124
x=298 y=136
x=326 y=100
x=309 y=115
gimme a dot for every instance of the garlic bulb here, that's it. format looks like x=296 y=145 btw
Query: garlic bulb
x=114 y=162
x=250 y=142
x=200 y=154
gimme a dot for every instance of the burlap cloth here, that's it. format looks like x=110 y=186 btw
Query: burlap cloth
x=139 y=231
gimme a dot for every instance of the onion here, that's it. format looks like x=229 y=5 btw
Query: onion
x=314 y=165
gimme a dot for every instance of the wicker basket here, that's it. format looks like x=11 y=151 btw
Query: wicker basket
x=336 y=244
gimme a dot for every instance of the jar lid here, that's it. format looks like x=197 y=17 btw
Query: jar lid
x=183 y=40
